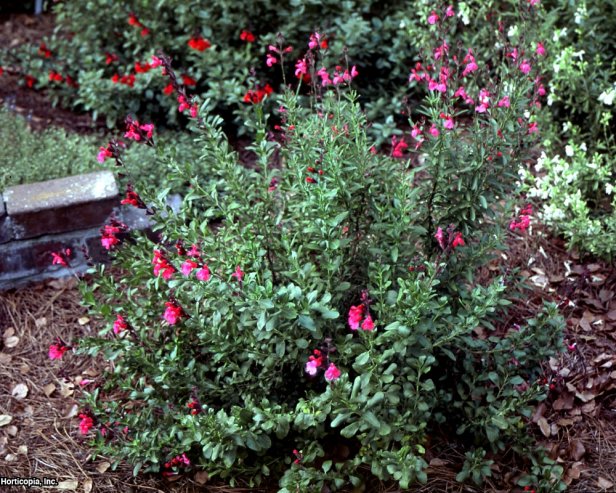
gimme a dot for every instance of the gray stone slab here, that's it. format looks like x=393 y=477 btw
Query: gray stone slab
x=62 y=192
x=65 y=204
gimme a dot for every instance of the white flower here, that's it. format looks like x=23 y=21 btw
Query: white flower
x=527 y=114
x=513 y=31
x=607 y=97
x=569 y=151
x=609 y=188
x=583 y=146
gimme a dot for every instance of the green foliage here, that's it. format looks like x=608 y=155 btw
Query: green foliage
x=576 y=174
x=323 y=225
x=36 y=156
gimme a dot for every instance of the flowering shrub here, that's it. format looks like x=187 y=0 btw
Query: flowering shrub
x=578 y=195
x=325 y=296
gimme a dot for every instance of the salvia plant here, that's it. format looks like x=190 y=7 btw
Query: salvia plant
x=326 y=311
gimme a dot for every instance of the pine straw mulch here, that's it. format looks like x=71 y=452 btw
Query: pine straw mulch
x=576 y=423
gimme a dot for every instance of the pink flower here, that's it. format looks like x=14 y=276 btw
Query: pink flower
x=332 y=373
x=301 y=68
x=184 y=105
x=85 y=424
x=188 y=266
x=204 y=274
x=504 y=102
x=533 y=128
x=109 y=241
x=194 y=110
x=148 y=128
x=56 y=351
x=434 y=131
x=416 y=132
x=119 y=325
x=471 y=65
x=368 y=324
x=325 y=80
x=356 y=313
x=354 y=72
x=156 y=62
x=315 y=361
x=533 y=3
x=457 y=240
x=314 y=41
x=540 y=49
x=433 y=18
x=61 y=258
x=193 y=251
x=448 y=123
x=312 y=367
x=103 y=154
x=440 y=237
x=449 y=12
x=525 y=67
x=482 y=108
x=173 y=312
x=238 y=274
x=270 y=60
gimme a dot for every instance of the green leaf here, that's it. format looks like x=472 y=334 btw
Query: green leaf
x=350 y=430
x=306 y=322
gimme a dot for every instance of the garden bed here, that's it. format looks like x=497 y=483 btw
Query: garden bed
x=43 y=437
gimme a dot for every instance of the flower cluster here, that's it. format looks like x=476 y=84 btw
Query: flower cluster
x=247 y=36
x=109 y=232
x=194 y=406
x=198 y=43
x=523 y=221
x=133 y=198
x=359 y=316
x=257 y=95
x=177 y=461
x=61 y=258
x=454 y=238
x=173 y=313
x=86 y=423
x=162 y=265
x=134 y=21
x=138 y=132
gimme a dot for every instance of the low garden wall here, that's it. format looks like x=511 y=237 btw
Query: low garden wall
x=40 y=218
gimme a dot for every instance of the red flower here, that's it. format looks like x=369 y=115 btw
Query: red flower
x=1 y=70
x=457 y=240
x=30 y=81
x=110 y=58
x=71 y=82
x=132 y=198
x=119 y=325
x=142 y=68
x=238 y=274
x=56 y=351
x=188 y=80
x=199 y=43
x=173 y=312
x=61 y=258
x=356 y=313
x=168 y=89
x=44 y=51
x=162 y=265
x=115 y=79
x=247 y=36
x=133 y=21
x=258 y=95
x=55 y=77
x=86 y=423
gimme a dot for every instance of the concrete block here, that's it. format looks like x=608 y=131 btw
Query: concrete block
x=65 y=204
